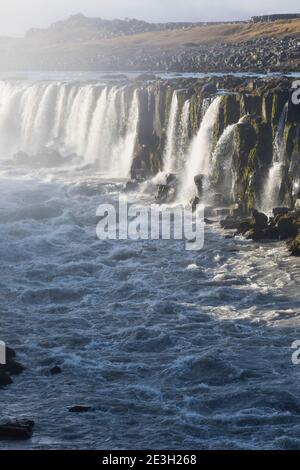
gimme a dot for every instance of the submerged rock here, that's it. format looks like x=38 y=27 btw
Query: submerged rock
x=131 y=185
x=80 y=409
x=55 y=370
x=19 y=430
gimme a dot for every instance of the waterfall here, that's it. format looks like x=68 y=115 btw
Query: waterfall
x=199 y=155
x=96 y=122
x=270 y=196
x=221 y=166
x=170 y=151
x=183 y=133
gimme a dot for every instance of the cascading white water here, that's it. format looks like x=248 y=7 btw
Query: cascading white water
x=89 y=120
x=270 y=196
x=184 y=133
x=170 y=150
x=199 y=155
x=221 y=167
x=223 y=152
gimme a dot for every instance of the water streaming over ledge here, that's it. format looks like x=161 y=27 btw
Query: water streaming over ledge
x=271 y=193
x=198 y=159
x=91 y=121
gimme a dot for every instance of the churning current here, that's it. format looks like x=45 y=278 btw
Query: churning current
x=170 y=348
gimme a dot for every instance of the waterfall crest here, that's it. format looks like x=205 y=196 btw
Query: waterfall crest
x=95 y=122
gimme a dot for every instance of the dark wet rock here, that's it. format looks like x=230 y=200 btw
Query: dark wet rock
x=162 y=191
x=4 y=379
x=244 y=226
x=280 y=211
x=287 y=227
x=260 y=219
x=294 y=246
x=10 y=353
x=199 y=184
x=131 y=185
x=12 y=367
x=80 y=409
x=171 y=179
x=222 y=211
x=208 y=221
x=55 y=370
x=194 y=202
x=209 y=88
x=230 y=223
x=255 y=234
x=17 y=430
x=166 y=192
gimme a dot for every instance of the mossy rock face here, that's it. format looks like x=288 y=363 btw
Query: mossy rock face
x=250 y=104
x=293 y=112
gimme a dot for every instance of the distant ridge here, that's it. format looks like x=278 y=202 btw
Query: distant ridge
x=80 y=28
x=276 y=17
x=80 y=43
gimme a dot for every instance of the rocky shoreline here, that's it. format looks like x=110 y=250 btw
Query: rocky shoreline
x=260 y=55
x=284 y=225
x=15 y=429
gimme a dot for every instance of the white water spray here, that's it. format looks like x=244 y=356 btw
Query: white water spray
x=199 y=156
x=270 y=197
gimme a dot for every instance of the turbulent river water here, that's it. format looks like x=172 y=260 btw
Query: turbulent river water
x=171 y=348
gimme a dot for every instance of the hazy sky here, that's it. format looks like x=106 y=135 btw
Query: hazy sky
x=16 y=16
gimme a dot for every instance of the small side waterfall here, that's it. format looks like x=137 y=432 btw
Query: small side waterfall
x=199 y=155
x=96 y=122
x=170 y=151
x=183 y=134
x=270 y=196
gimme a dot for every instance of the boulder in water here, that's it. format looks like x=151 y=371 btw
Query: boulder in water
x=12 y=367
x=4 y=379
x=280 y=211
x=131 y=185
x=287 y=227
x=55 y=370
x=19 y=429
x=194 y=203
x=294 y=246
x=80 y=409
x=260 y=219
x=166 y=192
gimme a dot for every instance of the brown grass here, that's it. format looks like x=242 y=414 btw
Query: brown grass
x=229 y=33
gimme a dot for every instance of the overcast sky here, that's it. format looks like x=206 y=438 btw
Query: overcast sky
x=16 y=16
